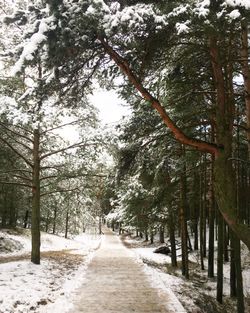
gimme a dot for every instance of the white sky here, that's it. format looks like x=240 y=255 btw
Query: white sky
x=109 y=105
x=111 y=111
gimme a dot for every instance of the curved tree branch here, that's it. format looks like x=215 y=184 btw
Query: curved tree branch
x=200 y=145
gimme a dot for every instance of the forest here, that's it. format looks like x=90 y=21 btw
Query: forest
x=180 y=170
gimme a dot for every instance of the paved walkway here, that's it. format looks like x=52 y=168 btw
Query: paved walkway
x=116 y=283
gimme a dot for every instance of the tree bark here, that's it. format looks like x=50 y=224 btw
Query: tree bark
x=233 y=291
x=226 y=242
x=183 y=222
x=161 y=234
x=47 y=222
x=54 y=220
x=12 y=210
x=201 y=225
x=146 y=234
x=4 y=211
x=211 y=227
x=35 y=216
x=172 y=239
x=151 y=237
x=219 y=294
x=26 y=218
x=246 y=76
x=66 y=224
x=224 y=178
x=239 y=282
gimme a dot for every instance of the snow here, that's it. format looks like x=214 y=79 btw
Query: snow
x=234 y=14
x=46 y=283
x=161 y=282
x=181 y=28
x=149 y=255
x=134 y=17
x=163 y=277
x=48 y=242
x=33 y=44
x=242 y=3
x=202 y=8
x=179 y=10
x=48 y=287
x=164 y=283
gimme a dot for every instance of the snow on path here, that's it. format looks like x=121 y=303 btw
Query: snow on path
x=115 y=282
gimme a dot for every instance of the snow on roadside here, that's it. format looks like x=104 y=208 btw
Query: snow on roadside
x=48 y=287
x=19 y=242
x=164 y=283
x=64 y=299
x=148 y=255
x=197 y=294
x=160 y=281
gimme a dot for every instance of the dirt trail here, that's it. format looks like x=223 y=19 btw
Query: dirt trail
x=116 y=283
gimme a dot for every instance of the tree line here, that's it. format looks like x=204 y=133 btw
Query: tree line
x=185 y=67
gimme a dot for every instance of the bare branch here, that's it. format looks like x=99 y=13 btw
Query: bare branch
x=48 y=177
x=58 y=167
x=58 y=191
x=61 y=150
x=15 y=183
x=15 y=133
x=60 y=126
x=15 y=170
x=69 y=176
x=24 y=178
x=19 y=142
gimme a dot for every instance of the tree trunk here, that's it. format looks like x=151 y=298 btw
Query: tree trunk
x=35 y=216
x=54 y=220
x=239 y=282
x=223 y=172
x=196 y=236
x=172 y=239
x=246 y=77
x=183 y=222
x=47 y=222
x=151 y=237
x=211 y=227
x=100 y=225
x=12 y=211
x=194 y=205
x=233 y=292
x=4 y=211
x=219 y=295
x=204 y=220
x=26 y=219
x=66 y=224
x=161 y=234
x=201 y=227
x=225 y=237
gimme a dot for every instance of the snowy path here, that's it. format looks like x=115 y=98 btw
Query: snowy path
x=116 y=283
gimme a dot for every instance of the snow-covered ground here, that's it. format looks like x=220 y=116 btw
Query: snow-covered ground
x=198 y=294
x=45 y=288
x=17 y=242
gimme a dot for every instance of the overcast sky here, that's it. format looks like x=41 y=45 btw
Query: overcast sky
x=109 y=105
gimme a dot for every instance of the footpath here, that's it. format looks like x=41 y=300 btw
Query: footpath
x=116 y=283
